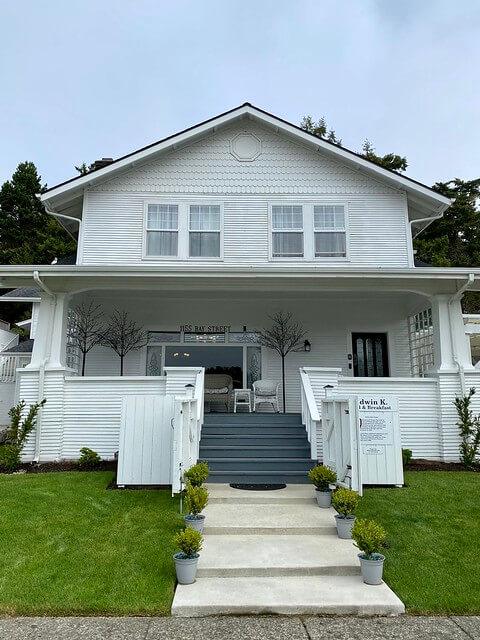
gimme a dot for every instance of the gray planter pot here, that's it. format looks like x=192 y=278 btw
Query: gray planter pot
x=372 y=570
x=186 y=568
x=324 y=498
x=344 y=526
x=195 y=522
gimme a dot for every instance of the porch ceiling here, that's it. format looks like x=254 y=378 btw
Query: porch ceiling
x=273 y=279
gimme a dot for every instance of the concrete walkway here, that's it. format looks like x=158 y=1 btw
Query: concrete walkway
x=277 y=552
x=241 y=628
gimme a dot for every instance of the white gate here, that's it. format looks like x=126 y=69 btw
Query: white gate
x=144 y=456
x=186 y=427
x=340 y=441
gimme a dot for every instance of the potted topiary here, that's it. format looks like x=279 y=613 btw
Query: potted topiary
x=369 y=537
x=189 y=541
x=196 y=499
x=197 y=474
x=322 y=477
x=345 y=502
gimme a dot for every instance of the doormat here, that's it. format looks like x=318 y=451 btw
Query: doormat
x=258 y=487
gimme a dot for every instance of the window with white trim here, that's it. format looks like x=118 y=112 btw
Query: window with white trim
x=162 y=230
x=287 y=231
x=204 y=231
x=420 y=329
x=330 y=231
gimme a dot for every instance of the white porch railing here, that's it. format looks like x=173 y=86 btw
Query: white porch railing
x=310 y=414
x=9 y=366
x=187 y=429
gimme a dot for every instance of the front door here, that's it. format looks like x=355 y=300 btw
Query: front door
x=370 y=355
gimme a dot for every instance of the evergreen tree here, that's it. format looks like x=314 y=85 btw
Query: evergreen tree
x=28 y=235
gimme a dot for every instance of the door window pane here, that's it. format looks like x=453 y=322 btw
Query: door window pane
x=154 y=361
x=254 y=365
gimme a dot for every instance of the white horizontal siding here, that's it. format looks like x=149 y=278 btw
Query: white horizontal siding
x=93 y=408
x=418 y=408
x=285 y=171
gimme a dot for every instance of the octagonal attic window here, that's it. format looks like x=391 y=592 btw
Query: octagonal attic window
x=245 y=147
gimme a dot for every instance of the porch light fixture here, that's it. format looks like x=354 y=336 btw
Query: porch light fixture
x=328 y=391
x=189 y=388
x=307 y=346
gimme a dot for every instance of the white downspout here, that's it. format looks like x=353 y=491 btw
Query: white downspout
x=41 y=372
x=457 y=296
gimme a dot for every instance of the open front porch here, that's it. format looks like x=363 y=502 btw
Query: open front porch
x=380 y=333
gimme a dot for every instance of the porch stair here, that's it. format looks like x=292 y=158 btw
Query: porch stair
x=276 y=552
x=255 y=448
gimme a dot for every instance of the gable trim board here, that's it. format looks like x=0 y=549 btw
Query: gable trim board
x=423 y=195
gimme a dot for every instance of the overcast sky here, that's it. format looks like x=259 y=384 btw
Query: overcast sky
x=82 y=80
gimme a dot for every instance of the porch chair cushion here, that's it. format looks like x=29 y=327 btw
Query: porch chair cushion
x=218 y=388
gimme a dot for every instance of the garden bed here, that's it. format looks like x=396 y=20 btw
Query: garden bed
x=419 y=464
x=66 y=465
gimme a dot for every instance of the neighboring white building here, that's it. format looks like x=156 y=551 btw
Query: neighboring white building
x=201 y=236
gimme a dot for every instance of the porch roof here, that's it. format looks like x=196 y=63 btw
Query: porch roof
x=74 y=279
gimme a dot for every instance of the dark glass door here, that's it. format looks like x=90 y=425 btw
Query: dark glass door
x=370 y=355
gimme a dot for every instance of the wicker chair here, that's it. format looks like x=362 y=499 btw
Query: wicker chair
x=218 y=388
x=265 y=391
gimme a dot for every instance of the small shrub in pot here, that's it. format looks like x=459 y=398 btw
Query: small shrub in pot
x=345 y=502
x=369 y=537
x=322 y=477
x=197 y=474
x=196 y=499
x=189 y=541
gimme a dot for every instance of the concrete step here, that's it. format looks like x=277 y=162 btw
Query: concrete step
x=269 y=519
x=252 y=429
x=276 y=555
x=258 y=477
x=257 y=417
x=253 y=440
x=295 y=595
x=249 y=451
x=300 y=493
x=279 y=465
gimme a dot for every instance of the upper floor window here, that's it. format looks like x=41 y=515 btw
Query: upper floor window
x=287 y=231
x=204 y=231
x=162 y=230
x=330 y=231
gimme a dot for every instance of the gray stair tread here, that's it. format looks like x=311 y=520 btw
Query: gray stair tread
x=341 y=595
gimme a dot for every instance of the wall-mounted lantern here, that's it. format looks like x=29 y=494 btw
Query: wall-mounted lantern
x=307 y=347
x=189 y=389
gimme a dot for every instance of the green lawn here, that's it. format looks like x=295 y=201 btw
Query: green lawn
x=69 y=546
x=433 y=529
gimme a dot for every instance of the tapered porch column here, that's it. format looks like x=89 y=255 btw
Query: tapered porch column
x=451 y=347
x=49 y=347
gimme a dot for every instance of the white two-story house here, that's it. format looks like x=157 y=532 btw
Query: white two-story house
x=201 y=236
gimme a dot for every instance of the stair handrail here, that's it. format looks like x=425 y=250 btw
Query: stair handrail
x=310 y=414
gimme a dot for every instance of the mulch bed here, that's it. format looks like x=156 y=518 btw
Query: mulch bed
x=66 y=465
x=420 y=464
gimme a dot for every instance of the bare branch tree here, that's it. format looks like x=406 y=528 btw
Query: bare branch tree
x=123 y=335
x=87 y=328
x=285 y=335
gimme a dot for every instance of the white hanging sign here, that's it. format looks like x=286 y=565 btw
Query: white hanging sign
x=375 y=416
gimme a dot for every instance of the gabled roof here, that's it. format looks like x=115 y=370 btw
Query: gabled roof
x=22 y=347
x=22 y=294
x=426 y=201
